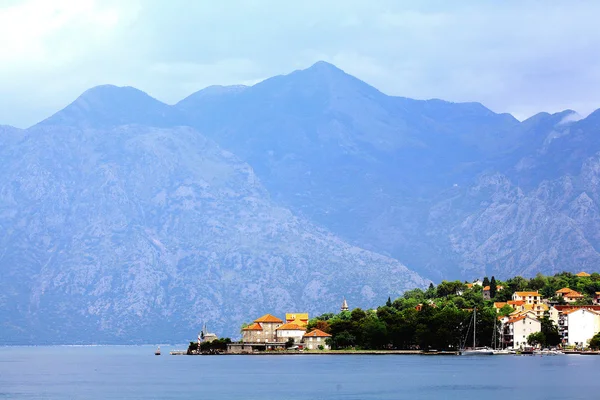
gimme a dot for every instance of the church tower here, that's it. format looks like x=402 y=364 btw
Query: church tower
x=344 y=305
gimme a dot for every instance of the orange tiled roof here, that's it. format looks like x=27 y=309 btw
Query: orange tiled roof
x=564 y=290
x=499 y=304
x=598 y=293
x=317 y=333
x=486 y=288
x=253 y=327
x=572 y=310
x=525 y=294
x=515 y=302
x=573 y=294
x=268 y=318
x=582 y=273
x=290 y=326
x=516 y=319
x=469 y=285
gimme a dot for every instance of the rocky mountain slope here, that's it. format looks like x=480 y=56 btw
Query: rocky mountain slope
x=398 y=176
x=287 y=194
x=138 y=234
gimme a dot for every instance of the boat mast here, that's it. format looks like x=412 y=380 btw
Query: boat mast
x=474 y=325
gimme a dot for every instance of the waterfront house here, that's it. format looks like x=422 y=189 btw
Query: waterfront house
x=290 y=331
x=517 y=329
x=499 y=304
x=579 y=325
x=596 y=299
x=253 y=333
x=316 y=338
x=263 y=330
x=527 y=297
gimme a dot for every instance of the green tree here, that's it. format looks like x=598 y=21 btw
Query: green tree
x=289 y=343
x=595 y=341
x=486 y=281
x=493 y=287
x=388 y=302
x=536 y=338
x=550 y=331
x=506 y=310
x=343 y=340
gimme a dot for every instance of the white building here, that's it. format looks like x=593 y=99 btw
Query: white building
x=527 y=297
x=290 y=330
x=580 y=326
x=518 y=329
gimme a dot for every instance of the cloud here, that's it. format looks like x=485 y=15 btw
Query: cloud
x=518 y=57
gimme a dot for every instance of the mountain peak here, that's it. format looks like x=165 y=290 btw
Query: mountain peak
x=109 y=105
x=324 y=66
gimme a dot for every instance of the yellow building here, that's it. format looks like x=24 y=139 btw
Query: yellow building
x=297 y=318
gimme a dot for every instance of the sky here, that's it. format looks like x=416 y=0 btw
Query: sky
x=521 y=57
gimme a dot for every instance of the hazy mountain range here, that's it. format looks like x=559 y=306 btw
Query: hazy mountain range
x=124 y=219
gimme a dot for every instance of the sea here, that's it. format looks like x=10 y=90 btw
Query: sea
x=134 y=372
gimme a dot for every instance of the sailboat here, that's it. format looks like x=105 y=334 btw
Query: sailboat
x=476 y=351
x=498 y=351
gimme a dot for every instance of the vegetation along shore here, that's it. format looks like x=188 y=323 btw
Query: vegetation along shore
x=560 y=311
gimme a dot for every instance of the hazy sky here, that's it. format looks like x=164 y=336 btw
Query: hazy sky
x=513 y=56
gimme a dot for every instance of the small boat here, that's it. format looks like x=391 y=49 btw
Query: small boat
x=157 y=352
x=480 y=351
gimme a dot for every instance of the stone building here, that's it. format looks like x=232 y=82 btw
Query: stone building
x=263 y=330
x=316 y=338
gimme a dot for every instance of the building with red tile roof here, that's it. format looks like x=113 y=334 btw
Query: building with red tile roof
x=316 y=338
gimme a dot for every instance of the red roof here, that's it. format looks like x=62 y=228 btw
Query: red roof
x=569 y=307
x=515 y=319
x=253 y=327
x=573 y=294
x=291 y=327
x=317 y=333
x=268 y=318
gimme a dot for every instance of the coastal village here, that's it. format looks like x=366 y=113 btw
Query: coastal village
x=574 y=316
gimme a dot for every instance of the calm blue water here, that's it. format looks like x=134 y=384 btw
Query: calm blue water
x=133 y=372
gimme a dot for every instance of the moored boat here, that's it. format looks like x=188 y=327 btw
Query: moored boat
x=476 y=351
x=157 y=352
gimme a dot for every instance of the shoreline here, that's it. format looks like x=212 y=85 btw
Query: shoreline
x=334 y=352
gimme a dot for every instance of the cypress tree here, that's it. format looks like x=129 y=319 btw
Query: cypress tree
x=493 y=287
x=486 y=282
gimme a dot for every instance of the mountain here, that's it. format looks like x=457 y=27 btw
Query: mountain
x=364 y=164
x=138 y=234
x=123 y=215
x=397 y=176
x=452 y=189
x=108 y=106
